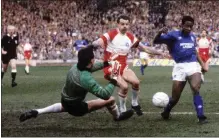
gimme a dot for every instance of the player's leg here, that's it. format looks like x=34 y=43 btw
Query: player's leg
x=129 y=76
x=177 y=88
x=207 y=62
x=195 y=84
x=205 y=59
x=110 y=104
x=4 y=69
x=144 y=64
x=5 y=62
x=27 y=65
x=122 y=93
x=55 y=108
x=179 y=82
x=13 y=72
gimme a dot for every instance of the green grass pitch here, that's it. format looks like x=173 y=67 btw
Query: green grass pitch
x=43 y=86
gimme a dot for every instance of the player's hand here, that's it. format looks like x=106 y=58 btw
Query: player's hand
x=166 y=55
x=163 y=30
x=4 y=52
x=115 y=69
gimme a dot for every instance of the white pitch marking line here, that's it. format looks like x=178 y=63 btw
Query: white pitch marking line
x=182 y=113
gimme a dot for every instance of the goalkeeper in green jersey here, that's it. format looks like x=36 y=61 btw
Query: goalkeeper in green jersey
x=78 y=83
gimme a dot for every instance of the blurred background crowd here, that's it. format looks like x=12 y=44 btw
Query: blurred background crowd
x=55 y=27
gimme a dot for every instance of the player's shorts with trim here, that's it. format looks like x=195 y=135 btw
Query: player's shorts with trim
x=204 y=54
x=182 y=70
x=27 y=54
x=143 y=55
x=6 y=58
x=107 y=70
x=75 y=108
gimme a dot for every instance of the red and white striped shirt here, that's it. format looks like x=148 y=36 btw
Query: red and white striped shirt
x=116 y=43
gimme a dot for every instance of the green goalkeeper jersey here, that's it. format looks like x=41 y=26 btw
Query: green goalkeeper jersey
x=79 y=83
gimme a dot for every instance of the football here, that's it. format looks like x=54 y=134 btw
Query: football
x=160 y=99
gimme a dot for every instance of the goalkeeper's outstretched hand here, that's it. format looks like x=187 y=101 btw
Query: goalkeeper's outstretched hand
x=115 y=69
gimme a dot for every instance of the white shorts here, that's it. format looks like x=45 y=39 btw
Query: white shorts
x=182 y=70
x=144 y=55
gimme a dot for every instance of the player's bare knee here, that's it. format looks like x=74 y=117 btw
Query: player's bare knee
x=13 y=66
x=124 y=87
x=207 y=69
x=195 y=86
x=135 y=85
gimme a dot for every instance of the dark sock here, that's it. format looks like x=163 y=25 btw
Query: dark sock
x=145 y=66
x=13 y=76
x=169 y=107
x=142 y=69
x=3 y=74
x=197 y=99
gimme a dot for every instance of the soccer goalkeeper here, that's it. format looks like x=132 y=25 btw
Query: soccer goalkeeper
x=78 y=83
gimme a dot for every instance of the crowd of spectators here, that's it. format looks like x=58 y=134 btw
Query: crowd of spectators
x=54 y=25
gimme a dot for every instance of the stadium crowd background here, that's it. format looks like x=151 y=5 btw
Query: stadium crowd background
x=54 y=26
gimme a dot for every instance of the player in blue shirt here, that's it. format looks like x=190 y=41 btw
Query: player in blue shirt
x=182 y=47
x=144 y=58
x=80 y=43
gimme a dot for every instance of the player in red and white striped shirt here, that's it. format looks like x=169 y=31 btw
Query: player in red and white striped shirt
x=205 y=49
x=117 y=43
x=27 y=55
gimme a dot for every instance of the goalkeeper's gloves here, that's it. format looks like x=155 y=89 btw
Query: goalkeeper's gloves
x=115 y=69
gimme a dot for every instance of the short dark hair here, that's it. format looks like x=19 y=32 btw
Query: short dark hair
x=205 y=31
x=124 y=17
x=187 y=18
x=85 y=55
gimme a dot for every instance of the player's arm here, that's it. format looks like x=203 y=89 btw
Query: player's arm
x=163 y=36
x=103 y=40
x=3 y=45
x=88 y=82
x=99 y=43
x=17 y=39
x=31 y=54
x=149 y=50
x=211 y=47
x=99 y=65
x=74 y=47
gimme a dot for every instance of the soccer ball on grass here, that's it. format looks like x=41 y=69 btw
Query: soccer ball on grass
x=160 y=99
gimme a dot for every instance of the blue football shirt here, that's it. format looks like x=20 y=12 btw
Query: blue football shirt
x=181 y=47
x=79 y=44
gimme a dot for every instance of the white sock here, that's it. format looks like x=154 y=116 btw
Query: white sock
x=202 y=77
x=114 y=110
x=55 y=108
x=122 y=104
x=27 y=68
x=134 y=97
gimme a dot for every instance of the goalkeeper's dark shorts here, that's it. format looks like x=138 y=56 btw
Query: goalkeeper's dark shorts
x=75 y=108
